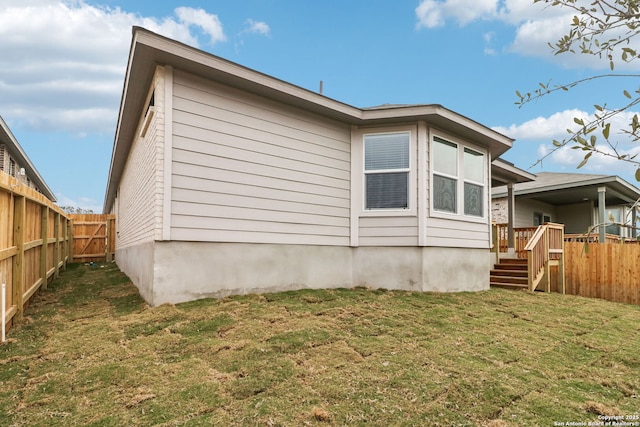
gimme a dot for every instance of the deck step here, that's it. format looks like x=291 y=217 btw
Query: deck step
x=510 y=274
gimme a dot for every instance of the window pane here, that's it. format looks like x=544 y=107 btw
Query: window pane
x=387 y=190
x=444 y=194
x=386 y=151
x=613 y=214
x=445 y=157
x=473 y=199
x=473 y=165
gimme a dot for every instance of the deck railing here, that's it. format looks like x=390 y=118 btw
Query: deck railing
x=544 y=249
x=522 y=235
x=595 y=238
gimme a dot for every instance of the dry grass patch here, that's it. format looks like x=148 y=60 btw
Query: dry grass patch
x=93 y=353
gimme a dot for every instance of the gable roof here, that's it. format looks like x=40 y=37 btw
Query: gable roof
x=149 y=49
x=559 y=188
x=18 y=154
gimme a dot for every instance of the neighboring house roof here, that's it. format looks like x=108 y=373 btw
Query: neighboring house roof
x=566 y=188
x=149 y=49
x=18 y=154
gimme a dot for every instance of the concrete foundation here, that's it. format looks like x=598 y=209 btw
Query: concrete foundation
x=183 y=271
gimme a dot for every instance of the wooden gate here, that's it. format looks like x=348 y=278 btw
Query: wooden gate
x=93 y=237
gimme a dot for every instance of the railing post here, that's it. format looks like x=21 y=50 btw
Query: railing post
x=495 y=242
x=547 y=267
x=530 y=257
x=561 y=264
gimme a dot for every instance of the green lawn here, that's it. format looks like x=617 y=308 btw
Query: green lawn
x=91 y=353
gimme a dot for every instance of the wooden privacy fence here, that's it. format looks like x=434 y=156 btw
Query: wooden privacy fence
x=35 y=237
x=607 y=271
x=93 y=237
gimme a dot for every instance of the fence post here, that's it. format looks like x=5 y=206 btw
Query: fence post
x=107 y=246
x=56 y=245
x=65 y=243
x=70 y=239
x=19 y=212
x=44 y=249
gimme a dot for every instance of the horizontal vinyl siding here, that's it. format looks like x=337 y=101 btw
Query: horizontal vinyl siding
x=138 y=216
x=457 y=234
x=246 y=169
x=389 y=231
x=380 y=228
x=525 y=208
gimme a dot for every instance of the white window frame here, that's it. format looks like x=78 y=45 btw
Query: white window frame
x=411 y=209
x=460 y=178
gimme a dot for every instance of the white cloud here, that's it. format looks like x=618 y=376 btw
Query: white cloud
x=257 y=27
x=536 y=24
x=543 y=130
x=434 y=13
x=210 y=24
x=488 y=41
x=81 y=202
x=63 y=61
x=552 y=127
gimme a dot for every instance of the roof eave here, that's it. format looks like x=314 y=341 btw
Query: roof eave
x=149 y=49
x=25 y=162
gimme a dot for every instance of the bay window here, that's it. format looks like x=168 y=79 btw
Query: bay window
x=458 y=179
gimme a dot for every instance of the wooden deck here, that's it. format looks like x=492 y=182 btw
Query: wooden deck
x=538 y=255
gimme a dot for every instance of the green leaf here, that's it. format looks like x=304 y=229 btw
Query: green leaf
x=597 y=107
x=605 y=131
x=585 y=160
x=578 y=121
x=627 y=94
x=638 y=174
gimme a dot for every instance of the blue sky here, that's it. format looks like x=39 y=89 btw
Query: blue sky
x=62 y=65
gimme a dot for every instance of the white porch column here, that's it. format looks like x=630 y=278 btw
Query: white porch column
x=601 y=213
x=511 y=202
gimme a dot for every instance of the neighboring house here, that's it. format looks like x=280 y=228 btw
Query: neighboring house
x=225 y=180
x=579 y=201
x=14 y=161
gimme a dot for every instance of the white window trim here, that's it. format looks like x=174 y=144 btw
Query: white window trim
x=412 y=209
x=459 y=215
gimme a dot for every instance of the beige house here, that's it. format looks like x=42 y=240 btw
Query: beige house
x=14 y=161
x=225 y=180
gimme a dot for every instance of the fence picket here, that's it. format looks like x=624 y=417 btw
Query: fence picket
x=608 y=271
x=29 y=236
